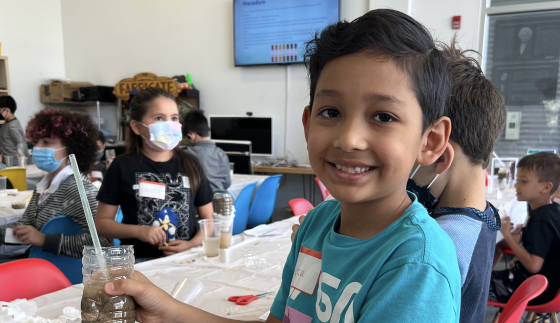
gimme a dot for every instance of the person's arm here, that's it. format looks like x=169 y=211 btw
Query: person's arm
x=108 y=227
x=175 y=246
x=531 y=262
x=155 y=305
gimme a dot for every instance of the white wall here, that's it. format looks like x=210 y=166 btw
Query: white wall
x=31 y=36
x=106 y=41
x=437 y=14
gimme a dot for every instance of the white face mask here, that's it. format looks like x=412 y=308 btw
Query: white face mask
x=164 y=136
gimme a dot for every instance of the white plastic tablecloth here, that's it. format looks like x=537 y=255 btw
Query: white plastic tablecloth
x=220 y=280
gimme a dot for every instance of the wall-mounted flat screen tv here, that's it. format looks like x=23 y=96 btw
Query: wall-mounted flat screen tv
x=269 y=32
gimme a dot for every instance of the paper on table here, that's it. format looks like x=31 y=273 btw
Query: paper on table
x=264 y=317
x=262 y=231
x=10 y=237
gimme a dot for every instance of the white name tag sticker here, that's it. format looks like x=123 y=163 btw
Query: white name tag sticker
x=151 y=189
x=96 y=174
x=186 y=183
x=308 y=270
x=10 y=237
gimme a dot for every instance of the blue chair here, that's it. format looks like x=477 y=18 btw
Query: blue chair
x=263 y=202
x=71 y=267
x=117 y=242
x=242 y=204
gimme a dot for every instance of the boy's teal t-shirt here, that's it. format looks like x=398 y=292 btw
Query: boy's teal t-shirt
x=406 y=273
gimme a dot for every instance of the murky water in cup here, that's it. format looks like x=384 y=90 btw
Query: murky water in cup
x=98 y=306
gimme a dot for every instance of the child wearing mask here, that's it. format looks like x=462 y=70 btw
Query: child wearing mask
x=538 y=177
x=452 y=189
x=11 y=133
x=56 y=134
x=378 y=87
x=155 y=182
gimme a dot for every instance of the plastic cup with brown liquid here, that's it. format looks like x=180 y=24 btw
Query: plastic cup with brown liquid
x=98 y=306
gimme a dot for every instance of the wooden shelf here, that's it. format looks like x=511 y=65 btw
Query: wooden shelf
x=283 y=170
x=4 y=76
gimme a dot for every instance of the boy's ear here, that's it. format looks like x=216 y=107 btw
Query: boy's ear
x=436 y=139
x=547 y=188
x=444 y=161
x=306 y=119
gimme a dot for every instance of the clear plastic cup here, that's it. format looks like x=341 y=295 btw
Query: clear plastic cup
x=9 y=161
x=211 y=231
x=22 y=161
x=3 y=192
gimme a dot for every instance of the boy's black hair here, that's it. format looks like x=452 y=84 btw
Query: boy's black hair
x=388 y=34
x=101 y=137
x=545 y=165
x=476 y=107
x=8 y=102
x=195 y=121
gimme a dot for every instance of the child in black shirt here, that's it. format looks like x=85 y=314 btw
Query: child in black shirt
x=160 y=188
x=538 y=178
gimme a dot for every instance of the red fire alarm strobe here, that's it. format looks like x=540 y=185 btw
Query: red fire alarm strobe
x=456 y=22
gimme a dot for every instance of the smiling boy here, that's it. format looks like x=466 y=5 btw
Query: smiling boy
x=378 y=87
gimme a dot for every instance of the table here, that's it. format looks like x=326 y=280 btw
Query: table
x=292 y=170
x=220 y=280
x=9 y=215
x=239 y=181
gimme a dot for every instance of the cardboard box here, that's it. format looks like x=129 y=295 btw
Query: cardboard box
x=61 y=91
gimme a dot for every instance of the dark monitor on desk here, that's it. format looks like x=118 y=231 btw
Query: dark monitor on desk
x=239 y=153
x=257 y=130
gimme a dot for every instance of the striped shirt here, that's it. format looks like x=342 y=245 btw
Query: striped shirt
x=64 y=201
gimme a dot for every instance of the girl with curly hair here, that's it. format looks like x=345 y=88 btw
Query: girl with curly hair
x=159 y=187
x=56 y=134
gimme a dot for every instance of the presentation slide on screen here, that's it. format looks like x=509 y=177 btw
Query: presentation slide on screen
x=275 y=31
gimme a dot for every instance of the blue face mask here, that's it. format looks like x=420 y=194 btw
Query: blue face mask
x=44 y=159
x=422 y=192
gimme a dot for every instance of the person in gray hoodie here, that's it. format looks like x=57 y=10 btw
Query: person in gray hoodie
x=213 y=158
x=11 y=133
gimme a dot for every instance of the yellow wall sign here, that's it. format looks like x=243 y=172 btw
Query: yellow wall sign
x=143 y=81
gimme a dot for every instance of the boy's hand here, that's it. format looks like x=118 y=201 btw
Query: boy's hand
x=29 y=235
x=506 y=226
x=152 y=235
x=296 y=226
x=154 y=304
x=175 y=246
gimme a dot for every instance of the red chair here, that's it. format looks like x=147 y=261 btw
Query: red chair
x=300 y=206
x=551 y=308
x=513 y=310
x=30 y=278
x=324 y=191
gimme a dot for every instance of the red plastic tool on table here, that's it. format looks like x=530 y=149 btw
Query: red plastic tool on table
x=244 y=300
